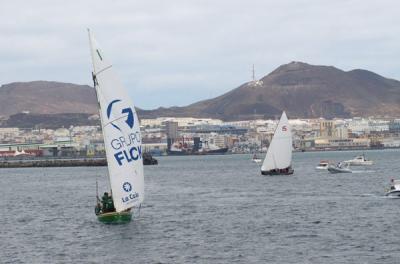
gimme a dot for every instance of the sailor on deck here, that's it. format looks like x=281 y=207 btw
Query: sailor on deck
x=392 y=184
x=107 y=202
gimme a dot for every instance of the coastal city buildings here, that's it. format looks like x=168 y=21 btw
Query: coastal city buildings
x=204 y=135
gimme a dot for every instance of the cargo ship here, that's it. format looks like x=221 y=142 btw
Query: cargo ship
x=198 y=147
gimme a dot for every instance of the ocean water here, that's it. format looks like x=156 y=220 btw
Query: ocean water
x=207 y=209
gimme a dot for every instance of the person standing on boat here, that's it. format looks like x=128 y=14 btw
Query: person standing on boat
x=392 y=184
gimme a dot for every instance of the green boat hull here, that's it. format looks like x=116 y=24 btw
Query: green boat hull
x=115 y=218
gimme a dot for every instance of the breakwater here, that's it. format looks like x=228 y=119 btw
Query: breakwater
x=46 y=162
x=63 y=162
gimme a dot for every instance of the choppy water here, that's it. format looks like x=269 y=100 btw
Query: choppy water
x=207 y=209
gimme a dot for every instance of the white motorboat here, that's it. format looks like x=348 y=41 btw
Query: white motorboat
x=256 y=159
x=323 y=165
x=394 y=190
x=359 y=160
x=339 y=168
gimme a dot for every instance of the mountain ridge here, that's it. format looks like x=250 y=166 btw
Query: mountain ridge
x=302 y=90
x=46 y=97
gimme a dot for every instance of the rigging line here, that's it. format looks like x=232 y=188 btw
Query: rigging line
x=109 y=122
x=106 y=68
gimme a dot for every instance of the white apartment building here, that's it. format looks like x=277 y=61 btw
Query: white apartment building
x=358 y=125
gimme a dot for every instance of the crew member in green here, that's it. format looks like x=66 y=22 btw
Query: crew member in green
x=108 y=204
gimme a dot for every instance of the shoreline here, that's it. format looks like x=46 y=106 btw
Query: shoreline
x=52 y=162
x=41 y=162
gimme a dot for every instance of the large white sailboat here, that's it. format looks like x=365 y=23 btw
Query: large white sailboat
x=278 y=160
x=122 y=140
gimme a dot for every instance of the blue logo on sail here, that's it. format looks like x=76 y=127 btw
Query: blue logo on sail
x=130 y=121
x=129 y=197
x=127 y=146
x=127 y=187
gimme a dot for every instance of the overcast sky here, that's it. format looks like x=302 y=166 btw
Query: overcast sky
x=170 y=52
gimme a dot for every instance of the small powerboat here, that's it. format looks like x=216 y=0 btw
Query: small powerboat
x=339 y=168
x=256 y=159
x=394 y=190
x=359 y=160
x=323 y=165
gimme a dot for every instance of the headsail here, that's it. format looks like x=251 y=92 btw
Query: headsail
x=279 y=154
x=121 y=131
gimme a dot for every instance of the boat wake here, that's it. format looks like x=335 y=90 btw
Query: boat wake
x=368 y=195
x=363 y=171
x=390 y=197
x=376 y=195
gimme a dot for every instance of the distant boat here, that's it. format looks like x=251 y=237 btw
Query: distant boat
x=209 y=149
x=278 y=160
x=394 y=190
x=204 y=148
x=359 y=160
x=256 y=159
x=22 y=153
x=122 y=140
x=323 y=165
x=339 y=168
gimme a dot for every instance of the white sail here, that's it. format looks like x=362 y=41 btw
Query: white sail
x=279 y=154
x=121 y=132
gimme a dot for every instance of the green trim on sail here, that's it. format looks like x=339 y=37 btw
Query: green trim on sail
x=98 y=53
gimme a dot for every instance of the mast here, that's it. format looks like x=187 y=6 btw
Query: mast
x=95 y=85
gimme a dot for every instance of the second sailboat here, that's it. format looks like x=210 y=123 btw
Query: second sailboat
x=278 y=160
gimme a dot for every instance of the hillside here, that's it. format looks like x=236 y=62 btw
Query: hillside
x=304 y=91
x=301 y=89
x=52 y=121
x=42 y=97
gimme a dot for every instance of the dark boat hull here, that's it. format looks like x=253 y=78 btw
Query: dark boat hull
x=214 y=152
x=149 y=160
x=177 y=153
x=393 y=193
x=338 y=170
x=290 y=171
x=220 y=151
